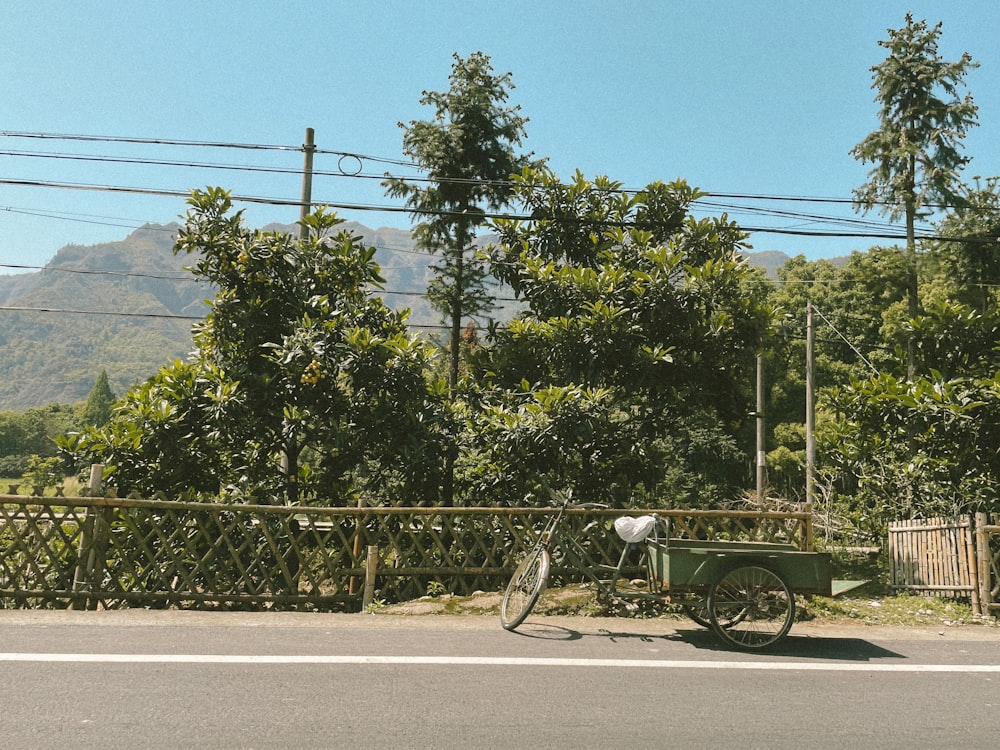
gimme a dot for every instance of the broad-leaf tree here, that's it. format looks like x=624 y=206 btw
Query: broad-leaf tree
x=300 y=374
x=971 y=255
x=916 y=151
x=631 y=370
x=899 y=450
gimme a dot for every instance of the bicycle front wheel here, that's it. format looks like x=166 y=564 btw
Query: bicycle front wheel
x=526 y=585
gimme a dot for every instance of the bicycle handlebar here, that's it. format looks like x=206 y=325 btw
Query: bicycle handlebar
x=563 y=498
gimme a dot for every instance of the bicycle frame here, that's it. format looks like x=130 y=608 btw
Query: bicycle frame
x=574 y=555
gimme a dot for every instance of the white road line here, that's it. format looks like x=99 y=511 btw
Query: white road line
x=495 y=661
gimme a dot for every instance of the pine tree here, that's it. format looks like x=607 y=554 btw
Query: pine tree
x=468 y=153
x=916 y=150
x=97 y=411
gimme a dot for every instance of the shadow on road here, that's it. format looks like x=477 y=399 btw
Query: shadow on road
x=803 y=647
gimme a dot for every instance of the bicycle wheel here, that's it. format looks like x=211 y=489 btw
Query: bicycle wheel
x=525 y=586
x=751 y=608
x=698 y=611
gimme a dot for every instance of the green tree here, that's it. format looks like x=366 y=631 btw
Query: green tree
x=899 y=450
x=468 y=152
x=972 y=260
x=97 y=409
x=916 y=150
x=631 y=370
x=297 y=365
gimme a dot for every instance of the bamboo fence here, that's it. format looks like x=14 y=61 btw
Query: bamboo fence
x=947 y=557
x=90 y=552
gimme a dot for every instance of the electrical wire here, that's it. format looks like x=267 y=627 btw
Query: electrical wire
x=94 y=272
x=447 y=213
x=340 y=171
x=171 y=316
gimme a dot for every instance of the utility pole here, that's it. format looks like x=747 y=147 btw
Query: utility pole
x=309 y=148
x=761 y=453
x=810 y=407
x=290 y=455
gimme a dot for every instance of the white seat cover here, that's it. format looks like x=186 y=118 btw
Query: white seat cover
x=634 y=530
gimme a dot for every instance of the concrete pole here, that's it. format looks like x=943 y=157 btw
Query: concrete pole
x=761 y=452
x=309 y=148
x=810 y=407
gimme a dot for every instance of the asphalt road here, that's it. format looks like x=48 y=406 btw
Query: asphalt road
x=279 y=680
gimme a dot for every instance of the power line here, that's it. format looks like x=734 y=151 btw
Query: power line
x=201 y=144
x=147 y=141
x=340 y=172
x=440 y=212
x=361 y=157
x=66 y=311
x=82 y=218
x=96 y=272
x=869 y=229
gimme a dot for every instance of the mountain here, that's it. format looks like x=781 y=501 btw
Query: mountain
x=53 y=350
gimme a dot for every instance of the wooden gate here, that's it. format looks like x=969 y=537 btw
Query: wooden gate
x=934 y=556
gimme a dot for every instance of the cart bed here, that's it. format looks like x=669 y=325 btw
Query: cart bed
x=693 y=565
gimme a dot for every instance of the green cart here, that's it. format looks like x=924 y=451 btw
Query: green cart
x=744 y=591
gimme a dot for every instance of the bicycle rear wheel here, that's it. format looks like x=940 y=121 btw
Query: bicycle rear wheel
x=525 y=586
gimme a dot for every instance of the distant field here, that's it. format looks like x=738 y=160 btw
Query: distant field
x=71 y=487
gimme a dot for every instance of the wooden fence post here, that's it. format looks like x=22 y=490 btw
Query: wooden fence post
x=100 y=531
x=371 y=563
x=359 y=524
x=83 y=576
x=983 y=557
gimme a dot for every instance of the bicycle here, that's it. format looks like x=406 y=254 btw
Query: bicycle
x=531 y=576
x=744 y=591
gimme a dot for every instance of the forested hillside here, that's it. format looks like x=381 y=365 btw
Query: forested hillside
x=55 y=348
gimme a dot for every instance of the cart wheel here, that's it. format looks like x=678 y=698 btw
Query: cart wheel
x=698 y=611
x=751 y=608
x=525 y=586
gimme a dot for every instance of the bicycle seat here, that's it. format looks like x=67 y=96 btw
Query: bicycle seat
x=634 y=530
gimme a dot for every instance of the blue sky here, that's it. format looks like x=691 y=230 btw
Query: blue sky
x=755 y=98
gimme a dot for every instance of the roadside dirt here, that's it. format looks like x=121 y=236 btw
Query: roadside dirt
x=577 y=602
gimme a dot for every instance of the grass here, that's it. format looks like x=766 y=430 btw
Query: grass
x=896 y=609
x=72 y=486
x=868 y=608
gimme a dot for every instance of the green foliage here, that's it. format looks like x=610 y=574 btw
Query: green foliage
x=297 y=367
x=971 y=262
x=958 y=340
x=34 y=430
x=642 y=328
x=44 y=472
x=167 y=434
x=901 y=450
x=97 y=409
x=916 y=150
x=468 y=153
